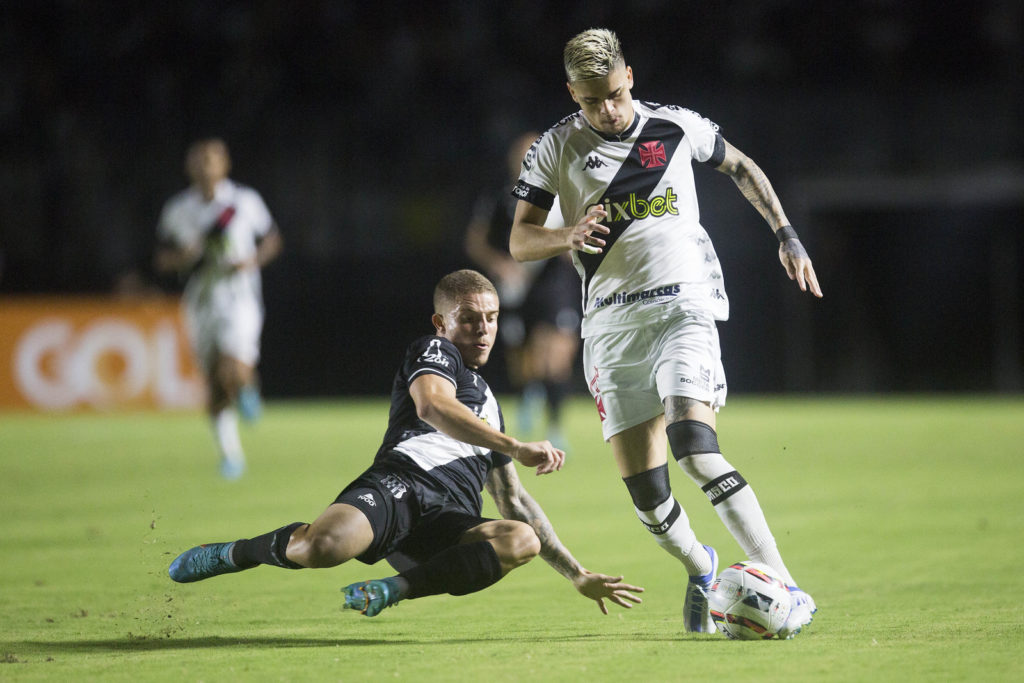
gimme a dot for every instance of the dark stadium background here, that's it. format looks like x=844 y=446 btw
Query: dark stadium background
x=892 y=131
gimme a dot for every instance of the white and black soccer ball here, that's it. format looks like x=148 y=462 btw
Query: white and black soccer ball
x=750 y=602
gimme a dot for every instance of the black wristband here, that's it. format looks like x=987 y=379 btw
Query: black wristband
x=786 y=232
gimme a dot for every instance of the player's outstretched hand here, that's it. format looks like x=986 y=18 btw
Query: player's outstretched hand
x=598 y=587
x=583 y=238
x=540 y=454
x=798 y=266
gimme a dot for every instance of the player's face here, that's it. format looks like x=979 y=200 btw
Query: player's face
x=472 y=325
x=208 y=164
x=606 y=101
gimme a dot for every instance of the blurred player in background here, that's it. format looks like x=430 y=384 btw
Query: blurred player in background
x=653 y=289
x=220 y=234
x=418 y=505
x=540 y=304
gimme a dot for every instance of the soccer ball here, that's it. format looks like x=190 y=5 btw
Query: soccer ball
x=749 y=602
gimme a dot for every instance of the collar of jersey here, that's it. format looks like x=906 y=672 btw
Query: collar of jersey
x=624 y=135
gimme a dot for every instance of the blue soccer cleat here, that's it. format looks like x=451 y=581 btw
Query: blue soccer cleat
x=202 y=562
x=249 y=404
x=696 y=609
x=232 y=469
x=371 y=597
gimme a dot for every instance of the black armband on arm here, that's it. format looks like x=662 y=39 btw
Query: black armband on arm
x=718 y=155
x=786 y=232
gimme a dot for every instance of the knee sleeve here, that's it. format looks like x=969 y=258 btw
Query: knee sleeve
x=649 y=489
x=689 y=437
x=695 y=446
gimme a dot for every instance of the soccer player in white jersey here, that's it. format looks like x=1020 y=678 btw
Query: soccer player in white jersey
x=418 y=505
x=652 y=291
x=221 y=234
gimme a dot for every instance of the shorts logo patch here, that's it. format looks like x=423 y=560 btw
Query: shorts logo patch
x=394 y=484
x=702 y=380
x=368 y=499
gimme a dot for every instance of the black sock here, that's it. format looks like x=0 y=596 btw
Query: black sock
x=266 y=549
x=459 y=570
x=556 y=391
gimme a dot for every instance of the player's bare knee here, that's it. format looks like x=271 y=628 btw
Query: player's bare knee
x=317 y=548
x=517 y=544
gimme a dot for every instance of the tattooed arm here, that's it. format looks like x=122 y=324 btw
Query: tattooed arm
x=514 y=502
x=754 y=185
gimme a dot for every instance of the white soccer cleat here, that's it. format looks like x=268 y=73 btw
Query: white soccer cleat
x=801 y=614
x=696 y=609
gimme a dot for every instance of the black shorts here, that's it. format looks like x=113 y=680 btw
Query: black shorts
x=412 y=521
x=554 y=298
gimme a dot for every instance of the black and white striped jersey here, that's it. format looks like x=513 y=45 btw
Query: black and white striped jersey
x=658 y=258
x=459 y=467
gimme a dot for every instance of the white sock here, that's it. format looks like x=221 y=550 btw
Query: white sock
x=740 y=512
x=678 y=540
x=225 y=429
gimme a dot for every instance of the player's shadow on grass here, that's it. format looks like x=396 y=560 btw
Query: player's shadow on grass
x=156 y=643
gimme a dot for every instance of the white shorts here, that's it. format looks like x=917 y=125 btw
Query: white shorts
x=234 y=333
x=631 y=372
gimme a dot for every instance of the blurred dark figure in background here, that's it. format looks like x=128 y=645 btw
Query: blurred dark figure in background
x=540 y=300
x=219 y=234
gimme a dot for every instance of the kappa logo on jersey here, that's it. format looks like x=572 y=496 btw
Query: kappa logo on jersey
x=632 y=207
x=394 y=484
x=652 y=154
x=433 y=354
x=593 y=162
x=368 y=499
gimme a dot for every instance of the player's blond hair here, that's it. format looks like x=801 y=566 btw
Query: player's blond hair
x=461 y=283
x=592 y=54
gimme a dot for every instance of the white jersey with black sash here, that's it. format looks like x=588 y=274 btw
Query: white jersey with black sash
x=433 y=456
x=228 y=229
x=658 y=259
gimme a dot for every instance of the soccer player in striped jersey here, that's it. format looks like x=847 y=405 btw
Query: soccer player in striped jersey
x=418 y=505
x=652 y=293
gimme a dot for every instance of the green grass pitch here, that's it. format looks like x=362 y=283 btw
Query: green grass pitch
x=903 y=516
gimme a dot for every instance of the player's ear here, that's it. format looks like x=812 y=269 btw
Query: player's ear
x=572 y=93
x=438 y=323
x=629 y=78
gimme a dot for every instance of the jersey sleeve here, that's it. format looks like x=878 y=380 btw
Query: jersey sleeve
x=167 y=227
x=257 y=209
x=706 y=143
x=432 y=355
x=538 y=179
